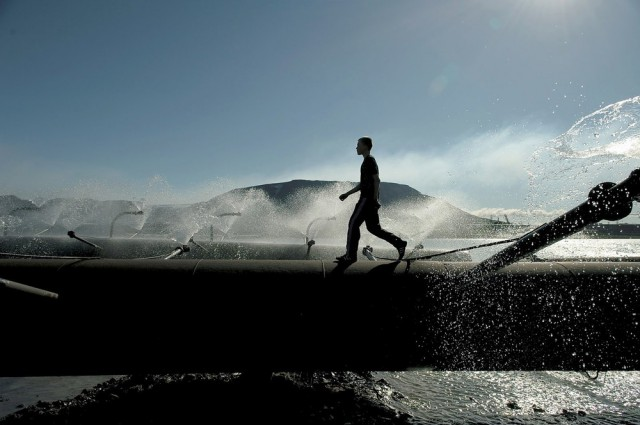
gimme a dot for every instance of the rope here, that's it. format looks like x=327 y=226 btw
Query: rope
x=463 y=249
x=62 y=257
x=425 y=257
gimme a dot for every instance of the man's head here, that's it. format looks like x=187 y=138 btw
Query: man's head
x=366 y=141
x=364 y=145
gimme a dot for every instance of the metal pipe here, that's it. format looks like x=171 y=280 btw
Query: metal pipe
x=73 y=235
x=367 y=251
x=155 y=316
x=221 y=215
x=178 y=251
x=10 y=284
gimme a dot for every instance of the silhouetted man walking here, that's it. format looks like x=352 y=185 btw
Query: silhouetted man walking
x=366 y=209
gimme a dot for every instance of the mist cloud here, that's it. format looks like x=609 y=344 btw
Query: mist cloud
x=487 y=174
x=488 y=170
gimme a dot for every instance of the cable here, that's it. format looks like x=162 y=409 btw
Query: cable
x=425 y=257
x=586 y=372
x=462 y=249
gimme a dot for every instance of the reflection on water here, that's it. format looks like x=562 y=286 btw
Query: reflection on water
x=565 y=249
x=434 y=397
x=589 y=248
x=528 y=397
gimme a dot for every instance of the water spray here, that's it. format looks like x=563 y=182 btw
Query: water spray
x=311 y=242
x=139 y=212
x=72 y=235
x=5 y=226
x=606 y=201
x=221 y=215
x=308 y=241
x=42 y=231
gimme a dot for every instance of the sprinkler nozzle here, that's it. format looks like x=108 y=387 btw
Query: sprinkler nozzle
x=367 y=251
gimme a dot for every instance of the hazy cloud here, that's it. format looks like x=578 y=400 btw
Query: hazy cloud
x=487 y=174
x=485 y=170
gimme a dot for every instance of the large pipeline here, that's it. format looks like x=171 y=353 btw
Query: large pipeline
x=115 y=316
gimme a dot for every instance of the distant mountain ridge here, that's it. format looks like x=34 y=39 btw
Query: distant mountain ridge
x=392 y=195
x=389 y=192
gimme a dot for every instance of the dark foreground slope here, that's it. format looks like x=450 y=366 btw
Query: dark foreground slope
x=327 y=398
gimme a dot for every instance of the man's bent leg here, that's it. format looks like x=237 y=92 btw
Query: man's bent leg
x=373 y=226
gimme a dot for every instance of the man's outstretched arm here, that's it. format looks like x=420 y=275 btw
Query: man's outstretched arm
x=350 y=192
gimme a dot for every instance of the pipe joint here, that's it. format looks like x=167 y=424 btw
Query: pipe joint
x=607 y=203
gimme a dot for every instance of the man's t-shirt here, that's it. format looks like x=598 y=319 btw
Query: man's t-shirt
x=368 y=169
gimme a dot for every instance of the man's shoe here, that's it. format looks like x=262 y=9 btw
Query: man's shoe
x=401 y=248
x=345 y=259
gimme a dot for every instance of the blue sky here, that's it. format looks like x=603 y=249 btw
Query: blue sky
x=184 y=100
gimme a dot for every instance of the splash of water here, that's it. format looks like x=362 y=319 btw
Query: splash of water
x=603 y=146
x=243 y=214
